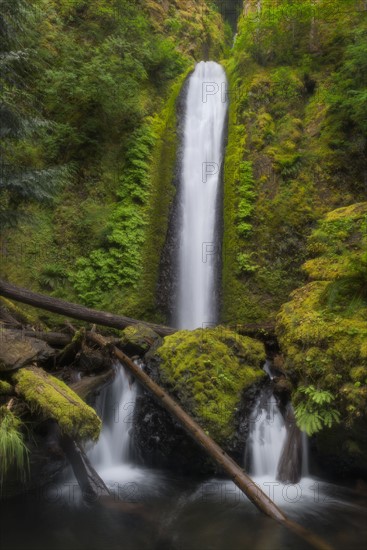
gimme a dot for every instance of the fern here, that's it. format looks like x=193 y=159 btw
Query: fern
x=314 y=412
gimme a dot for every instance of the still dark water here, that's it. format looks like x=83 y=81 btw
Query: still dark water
x=155 y=510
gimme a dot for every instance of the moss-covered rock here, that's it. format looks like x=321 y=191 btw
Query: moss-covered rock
x=53 y=399
x=138 y=338
x=208 y=370
x=323 y=329
x=6 y=388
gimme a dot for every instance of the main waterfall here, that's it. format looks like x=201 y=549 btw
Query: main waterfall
x=202 y=156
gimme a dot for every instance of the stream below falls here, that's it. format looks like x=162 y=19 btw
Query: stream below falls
x=156 y=509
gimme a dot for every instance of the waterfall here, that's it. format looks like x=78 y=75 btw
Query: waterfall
x=202 y=156
x=276 y=447
x=267 y=437
x=115 y=405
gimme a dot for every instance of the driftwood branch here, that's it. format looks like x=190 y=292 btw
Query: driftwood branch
x=239 y=477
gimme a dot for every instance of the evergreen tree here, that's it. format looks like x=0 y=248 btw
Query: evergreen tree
x=23 y=178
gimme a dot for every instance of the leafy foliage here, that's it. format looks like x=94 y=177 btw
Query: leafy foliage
x=297 y=75
x=118 y=263
x=315 y=412
x=101 y=75
x=323 y=329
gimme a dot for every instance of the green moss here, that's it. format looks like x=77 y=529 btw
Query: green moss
x=341 y=239
x=284 y=120
x=208 y=371
x=52 y=398
x=6 y=388
x=21 y=313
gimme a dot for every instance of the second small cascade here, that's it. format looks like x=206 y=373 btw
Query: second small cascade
x=276 y=448
x=267 y=437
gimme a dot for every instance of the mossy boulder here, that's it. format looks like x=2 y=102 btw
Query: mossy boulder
x=138 y=339
x=53 y=399
x=323 y=329
x=5 y=388
x=208 y=370
x=17 y=350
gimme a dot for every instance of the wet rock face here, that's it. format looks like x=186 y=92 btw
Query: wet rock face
x=167 y=281
x=17 y=350
x=159 y=441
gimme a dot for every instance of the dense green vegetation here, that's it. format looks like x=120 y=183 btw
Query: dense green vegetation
x=13 y=451
x=101 y=77
x=298 y=115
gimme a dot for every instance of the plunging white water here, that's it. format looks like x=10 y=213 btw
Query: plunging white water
x=206 y=107
x=266 y=438
x=116 y=407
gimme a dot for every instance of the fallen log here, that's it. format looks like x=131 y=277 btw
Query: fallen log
x=75 y=311
x=54 y=339
x=89 y=384
x=90 y=483
x=239 y=477
x=53 y=399
x=104 y=318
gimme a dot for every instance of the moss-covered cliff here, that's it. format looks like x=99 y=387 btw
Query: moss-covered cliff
x=296 y=145
x=323 y=332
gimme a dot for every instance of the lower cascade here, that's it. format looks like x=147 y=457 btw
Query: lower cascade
x=115 y=405
x=266 y=438
x=276 y=448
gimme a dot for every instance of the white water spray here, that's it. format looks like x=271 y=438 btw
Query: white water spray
x=206 y=108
